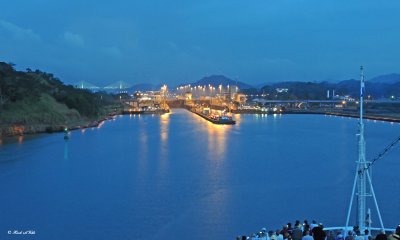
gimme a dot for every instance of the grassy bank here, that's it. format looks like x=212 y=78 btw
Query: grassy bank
x=44 y=115
x=36 y=102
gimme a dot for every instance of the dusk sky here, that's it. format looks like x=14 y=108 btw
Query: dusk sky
x=176 y=41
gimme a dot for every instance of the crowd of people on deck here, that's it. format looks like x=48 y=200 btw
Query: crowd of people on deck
x=315 y=231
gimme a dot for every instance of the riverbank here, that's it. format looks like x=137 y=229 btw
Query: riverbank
x=38 y=102
x=376 y=116
x=46 y=115
x=384 y=116
x=156 y=111
x=23 y=129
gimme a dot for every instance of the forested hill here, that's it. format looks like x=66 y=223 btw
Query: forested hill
x=38 y=98
x=318 y=90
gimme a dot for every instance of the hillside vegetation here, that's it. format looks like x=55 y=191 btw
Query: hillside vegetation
x=318 y=90
x=37 y=101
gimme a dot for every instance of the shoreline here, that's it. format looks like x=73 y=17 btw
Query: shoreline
x=20 y=130
x=32 y=129
x=350 y=115
x=339 y=114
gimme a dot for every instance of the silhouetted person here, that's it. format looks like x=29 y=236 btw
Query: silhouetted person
x=286 y=236
x=306 y=227
x=307 y=236
x=366 y=234
x=349 y=236
x=272 y=235
x=313 y=224
x=284 y=230
x=381 y=236
x=395 y=235
x=330 y=236
x=297 y=223
x=358 y=235
x=297 y=234
x=339 y=236
x=279 y=234
x=289 y=228
x=318 y=233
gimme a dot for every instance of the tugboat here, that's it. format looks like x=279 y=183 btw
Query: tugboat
x=221 y=119
x=216 y=119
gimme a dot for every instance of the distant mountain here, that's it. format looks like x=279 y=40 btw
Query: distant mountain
x=261 y=85
x=318 y=90
x=388 y=78
x=297 y=90
x=377 y=89
x=216 y=80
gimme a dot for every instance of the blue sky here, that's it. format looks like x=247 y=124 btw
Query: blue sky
x=177 y=41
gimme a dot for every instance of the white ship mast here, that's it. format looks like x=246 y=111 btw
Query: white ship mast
x=362 y=177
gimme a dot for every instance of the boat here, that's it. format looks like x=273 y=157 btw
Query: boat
x=226 y=120
x=216 y=119
x=221 y=119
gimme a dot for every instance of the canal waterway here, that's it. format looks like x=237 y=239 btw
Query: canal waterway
x=177 y=176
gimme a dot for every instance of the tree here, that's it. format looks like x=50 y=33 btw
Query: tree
x=12 y=65
x=3 y=98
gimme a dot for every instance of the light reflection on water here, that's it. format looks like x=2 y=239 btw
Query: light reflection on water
x=20 y=139
x=66 y=149
x=164 y=124
x=216 y=141
x=143 y=147
x=164 y=155
x=182 y=175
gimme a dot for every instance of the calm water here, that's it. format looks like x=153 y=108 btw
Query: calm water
x=178 y=176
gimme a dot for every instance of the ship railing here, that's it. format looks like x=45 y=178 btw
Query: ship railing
x=350 y=228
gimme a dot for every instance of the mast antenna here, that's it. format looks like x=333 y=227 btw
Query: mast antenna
x=362 y=179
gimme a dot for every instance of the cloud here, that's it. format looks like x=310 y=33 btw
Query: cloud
x=8 y=29
x=113 y=51
x=74 y=39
